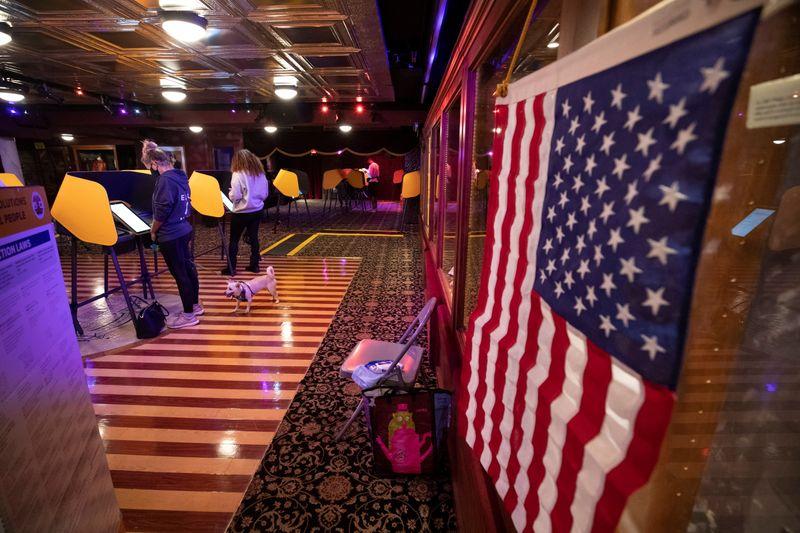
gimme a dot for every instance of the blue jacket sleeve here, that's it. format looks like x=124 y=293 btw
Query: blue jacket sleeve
x=163 y=200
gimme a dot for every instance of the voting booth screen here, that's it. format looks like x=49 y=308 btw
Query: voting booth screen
x=226 y=201
x=130 y=219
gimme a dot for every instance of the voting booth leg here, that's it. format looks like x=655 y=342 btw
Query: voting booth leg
x=73 y=304
x=306 y=201
x=122 y=284
x=105 y=273
x=147 y=282
x=224 y=249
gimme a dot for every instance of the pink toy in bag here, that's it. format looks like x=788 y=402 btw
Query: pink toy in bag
x=408 y=430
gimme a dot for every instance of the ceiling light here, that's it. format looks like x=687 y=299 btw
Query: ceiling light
x=173 y=94
x=345 y=128
x=78 y=91
x=325 y=108
x=359 y=99
x=195 y=129
x=12 y=92
x=5 y=33
x=68 y=137
x=778 y=141
x=270 y=129
x=554 y=44
x=185 y=26
x=324 y=99
x=359 y=108
x=285 y=87
x=285 y=93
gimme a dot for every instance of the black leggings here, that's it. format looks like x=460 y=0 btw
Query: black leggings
x=180 y=263
x=239 y=223
x=373 y=193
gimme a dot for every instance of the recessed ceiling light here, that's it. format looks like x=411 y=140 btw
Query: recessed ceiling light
x=270 y=129
x=345 y=128
x=5 y=33
x=68 y=137
x=778 y=141
x=173 y=94
x=195 y=129
x=185 y=26
x=554 y=44
x=12 y=92
x=285 y=87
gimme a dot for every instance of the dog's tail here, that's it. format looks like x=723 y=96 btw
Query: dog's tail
x=270 y=270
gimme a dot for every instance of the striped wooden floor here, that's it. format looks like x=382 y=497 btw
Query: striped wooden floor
x=187 y=417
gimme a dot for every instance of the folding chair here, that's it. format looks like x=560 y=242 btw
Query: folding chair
x=406 y=355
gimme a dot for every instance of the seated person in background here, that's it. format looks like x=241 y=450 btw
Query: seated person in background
x=248 y=191
x=172 y=231
x=98 y=165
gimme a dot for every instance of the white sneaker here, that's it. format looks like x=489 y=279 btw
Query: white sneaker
x=182 y=320
x=198 y=310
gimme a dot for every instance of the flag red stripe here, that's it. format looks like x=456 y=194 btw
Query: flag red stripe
x=497 y=309
x=548 y=392
x=643 y=451
x=501 y=121
x=523 y=264
x=526 y=364
x=583 y=427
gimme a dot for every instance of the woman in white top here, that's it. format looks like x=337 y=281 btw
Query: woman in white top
x=249 y=189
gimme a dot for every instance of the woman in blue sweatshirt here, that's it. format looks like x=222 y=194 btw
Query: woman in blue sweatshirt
x=172 y=231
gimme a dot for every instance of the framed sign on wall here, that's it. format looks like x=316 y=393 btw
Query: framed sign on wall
x=96 y=157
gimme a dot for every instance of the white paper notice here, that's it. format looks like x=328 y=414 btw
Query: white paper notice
x=53 y=472
x=774 y=103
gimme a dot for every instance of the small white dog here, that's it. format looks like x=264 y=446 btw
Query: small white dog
x=244 y=291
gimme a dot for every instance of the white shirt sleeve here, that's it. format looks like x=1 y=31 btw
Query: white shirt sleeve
x=236 y=192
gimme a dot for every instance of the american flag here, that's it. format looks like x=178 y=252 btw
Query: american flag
x=599 y=194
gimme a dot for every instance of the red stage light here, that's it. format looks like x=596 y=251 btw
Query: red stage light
x=324 y=99
x=324 y=108
x=313 y=152
x=359 y=109
x=359 y=99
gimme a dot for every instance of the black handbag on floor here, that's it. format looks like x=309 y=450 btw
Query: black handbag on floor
x=150 y=320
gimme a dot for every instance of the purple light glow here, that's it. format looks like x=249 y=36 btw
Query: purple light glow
x=771 y=387
x=13 y=111
x=123 y=111
x=435 y=39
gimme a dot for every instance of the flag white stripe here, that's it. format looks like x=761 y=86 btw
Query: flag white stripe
x=516 y=351
x=511 y=262
x=502 y=191
x=626 y=395
x=535 y=378
x=562 y=410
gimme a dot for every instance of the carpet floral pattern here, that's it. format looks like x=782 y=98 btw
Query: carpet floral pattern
x=309 y=482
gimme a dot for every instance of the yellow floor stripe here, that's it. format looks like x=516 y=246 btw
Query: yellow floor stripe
x=183 y=465
x=232 y=361
x=188 y=374
x=185 y=435
x=276 y=244
x=186 y=392
x=189 y=412
x=302 y=245
x=178 y=500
